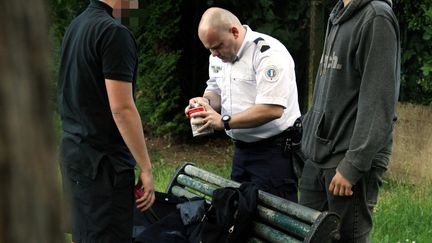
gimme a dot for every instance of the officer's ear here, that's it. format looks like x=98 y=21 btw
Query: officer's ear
x=235 y=32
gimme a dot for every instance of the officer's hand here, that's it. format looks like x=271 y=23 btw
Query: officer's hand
x=340 y=186
x=193 y=102
x=211 y=118
x=148 y=197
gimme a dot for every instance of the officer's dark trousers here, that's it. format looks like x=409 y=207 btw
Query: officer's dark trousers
x=355 y=211
x=267 y=167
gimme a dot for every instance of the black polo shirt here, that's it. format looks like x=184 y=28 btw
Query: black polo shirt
x=95 y=47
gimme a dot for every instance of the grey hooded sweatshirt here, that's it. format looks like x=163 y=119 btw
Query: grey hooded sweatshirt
x=350 y=122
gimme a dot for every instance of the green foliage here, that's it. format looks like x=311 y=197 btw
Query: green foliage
x=415 y=19
x=285 y=20
x=61 y=13
x=158 y=87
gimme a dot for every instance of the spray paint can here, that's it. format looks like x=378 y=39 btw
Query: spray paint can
x=196 y=122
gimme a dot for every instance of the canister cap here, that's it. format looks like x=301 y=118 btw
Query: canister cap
x=193 y=110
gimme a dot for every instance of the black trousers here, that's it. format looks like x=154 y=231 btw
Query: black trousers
x=101 y=209
x=267 y=167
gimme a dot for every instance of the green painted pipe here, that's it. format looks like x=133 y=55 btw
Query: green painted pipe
x=273 y=235
x=255 y=240
x=262 y=230
x=280 y=220
x=294 y=209
x=275 y=218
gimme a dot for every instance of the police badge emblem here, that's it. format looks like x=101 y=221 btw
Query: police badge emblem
x=272 y=73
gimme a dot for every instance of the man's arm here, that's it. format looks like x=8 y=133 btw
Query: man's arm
x=254 y=116
x=128 y=122
x=214 y=100
x=377 y=99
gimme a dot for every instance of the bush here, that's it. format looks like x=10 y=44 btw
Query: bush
x=159 y=91
x=415 y=20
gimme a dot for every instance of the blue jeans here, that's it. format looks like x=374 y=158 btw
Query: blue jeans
x=355 y=211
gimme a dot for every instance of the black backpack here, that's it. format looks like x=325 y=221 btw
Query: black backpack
x=229 y=217
x=164 y=205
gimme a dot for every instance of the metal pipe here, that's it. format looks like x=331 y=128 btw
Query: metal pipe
x=294 y=209
x=273 y=235
x=277 y=219
x=272 y=217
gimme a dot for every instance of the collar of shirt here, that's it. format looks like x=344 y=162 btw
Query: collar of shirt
x=101 y=5
x=247 y=41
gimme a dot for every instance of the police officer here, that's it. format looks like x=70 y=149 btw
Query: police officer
x=252 y=94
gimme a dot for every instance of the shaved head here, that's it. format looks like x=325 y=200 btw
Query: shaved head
x=221 y=32
x=218 y=19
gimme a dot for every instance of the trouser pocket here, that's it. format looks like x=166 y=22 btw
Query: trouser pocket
x=373 y=185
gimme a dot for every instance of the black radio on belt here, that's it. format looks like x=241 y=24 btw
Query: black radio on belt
x=293 y=137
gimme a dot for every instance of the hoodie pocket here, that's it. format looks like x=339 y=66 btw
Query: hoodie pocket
x=317 y=144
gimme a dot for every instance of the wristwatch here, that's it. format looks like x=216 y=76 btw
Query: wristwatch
x=225 y=120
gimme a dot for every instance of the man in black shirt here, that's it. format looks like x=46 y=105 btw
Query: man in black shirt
x=102 y=131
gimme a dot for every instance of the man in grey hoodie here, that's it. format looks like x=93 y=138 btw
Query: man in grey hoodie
x=348 y=130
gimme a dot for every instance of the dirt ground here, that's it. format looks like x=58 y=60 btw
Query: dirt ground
x=206 y=149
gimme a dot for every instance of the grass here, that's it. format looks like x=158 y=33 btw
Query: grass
x=403 y=213
x=212 y=155
x=163 y=171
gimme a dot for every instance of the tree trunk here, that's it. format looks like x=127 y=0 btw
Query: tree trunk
x=316 y=40
x=29 y=182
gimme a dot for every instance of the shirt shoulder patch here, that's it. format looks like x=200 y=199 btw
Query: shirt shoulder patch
x=261 y=44
x=271 y=73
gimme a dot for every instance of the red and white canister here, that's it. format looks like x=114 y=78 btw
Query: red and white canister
x=196 y=122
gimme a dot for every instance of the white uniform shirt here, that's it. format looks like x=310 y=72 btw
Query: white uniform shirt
x=263 y=73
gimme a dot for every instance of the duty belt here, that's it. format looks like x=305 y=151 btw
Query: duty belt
x=274 y=140
x=290 y=139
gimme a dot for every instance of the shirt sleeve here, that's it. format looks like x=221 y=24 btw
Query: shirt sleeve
x=275 y=80
x=119 y=54
x=378 y=59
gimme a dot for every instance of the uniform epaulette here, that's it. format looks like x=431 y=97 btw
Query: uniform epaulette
x=260 y=42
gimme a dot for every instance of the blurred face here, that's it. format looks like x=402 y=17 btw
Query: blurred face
x=120 y=9
x=221 y=44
